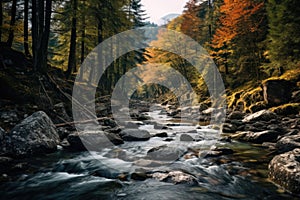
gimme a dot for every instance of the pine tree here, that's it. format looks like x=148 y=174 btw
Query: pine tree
x=284 y=37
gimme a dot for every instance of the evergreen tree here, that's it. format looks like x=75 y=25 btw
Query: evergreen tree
x=284 y=33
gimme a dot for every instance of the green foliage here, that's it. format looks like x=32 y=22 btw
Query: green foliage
x=284 y=37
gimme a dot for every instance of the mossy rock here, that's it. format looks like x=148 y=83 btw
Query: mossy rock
x=291 y=75
x=257 y=106
x=232 y=100
x=243 y=100
x=286 y=109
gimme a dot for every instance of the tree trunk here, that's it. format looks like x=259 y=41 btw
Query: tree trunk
x=99 y=54
x=34 y=34
x=26 y=46
x=82 y=53
x=1 y=20
x=72 y=53
x=46 y=34
x=12 y=23
x=82 y=40
x=41 y=18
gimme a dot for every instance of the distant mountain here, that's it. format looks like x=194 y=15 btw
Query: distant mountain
x=168 y=18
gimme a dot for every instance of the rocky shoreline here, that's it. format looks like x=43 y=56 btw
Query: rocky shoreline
x=37 y=135
x=274 y=126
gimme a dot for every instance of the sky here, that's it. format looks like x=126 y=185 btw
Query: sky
x=157 y=9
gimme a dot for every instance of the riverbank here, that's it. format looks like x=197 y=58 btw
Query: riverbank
x=195 y=160
x=39 y=141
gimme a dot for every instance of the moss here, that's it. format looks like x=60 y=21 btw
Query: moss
x=243 y=100
x=257 y=106
x=232 y=99
x=286 y=109
x=291 y=75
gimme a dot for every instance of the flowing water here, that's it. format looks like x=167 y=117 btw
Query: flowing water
x=98 y=175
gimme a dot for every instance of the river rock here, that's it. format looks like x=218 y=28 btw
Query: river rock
x=109 y=122
x=139 y=175
x=148 y=163
x=229 y=128
x=253 y=128
x=159 y=126
x=288 y=143
x=277 y=92
x=176 y=177
x=186 y=138
x=165 y=153
x=135 y=135
x=161 y=135
x=34 y=135
x=215 y=152
x=263 y=115
x=257 y=137
x=143 y=117
x=236 y=115
x=284 y=169
x=93 y=140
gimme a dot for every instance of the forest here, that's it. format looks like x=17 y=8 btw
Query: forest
x=255 y=46
x=248 y=40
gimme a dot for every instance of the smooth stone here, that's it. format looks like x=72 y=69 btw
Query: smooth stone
x=237 y=115
x=263 y=115
x=93 y=140
x=161 y=135
x=284 y=169
x=288 y=143
x=175 y=177
x=186 y=138
x=164 y=153
x=135 y=135
x=257 y=137
x=229 y=128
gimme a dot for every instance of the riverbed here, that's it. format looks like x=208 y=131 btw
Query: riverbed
x=108 y=174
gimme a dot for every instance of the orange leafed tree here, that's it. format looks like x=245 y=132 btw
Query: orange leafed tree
x=236 y=19
x=236 y=41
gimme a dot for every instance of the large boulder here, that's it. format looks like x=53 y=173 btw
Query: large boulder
x=277 y=92
x=135 y=135
x=93 y=140
x=288 y=143
x=263 y=115
x=257 y=137
x=165 y=153
x=284 y=169
x=34 y=135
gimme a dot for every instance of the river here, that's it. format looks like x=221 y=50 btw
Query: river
x=104 y=175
